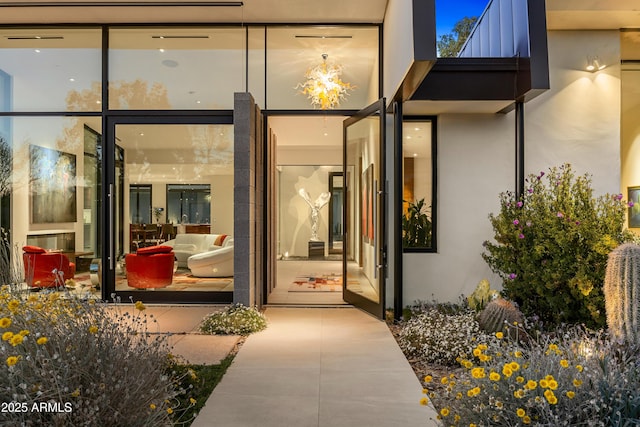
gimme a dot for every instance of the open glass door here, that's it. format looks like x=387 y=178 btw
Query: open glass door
x=364 y=240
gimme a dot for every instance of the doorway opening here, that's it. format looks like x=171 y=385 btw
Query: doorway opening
x=308 y=221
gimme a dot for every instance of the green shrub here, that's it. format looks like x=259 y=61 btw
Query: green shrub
x=234 y=320
x=90 y=364
x=551 y=246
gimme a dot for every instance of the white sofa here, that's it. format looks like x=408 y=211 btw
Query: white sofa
x=186 y=245
x=215 y=263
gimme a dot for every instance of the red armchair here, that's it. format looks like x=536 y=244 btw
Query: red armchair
x=42 y=268
x=150 y=267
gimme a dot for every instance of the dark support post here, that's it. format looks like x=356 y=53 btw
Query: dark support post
x=519 y=149
x=397 y=203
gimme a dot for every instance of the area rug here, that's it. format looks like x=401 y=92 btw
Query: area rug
x=331 y=282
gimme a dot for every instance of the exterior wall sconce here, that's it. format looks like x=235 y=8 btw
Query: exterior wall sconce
x=594 y=64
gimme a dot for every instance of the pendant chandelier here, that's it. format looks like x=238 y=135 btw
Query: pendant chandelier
x=323 y=85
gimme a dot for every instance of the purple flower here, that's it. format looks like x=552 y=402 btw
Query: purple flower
x=530 y=190
x=560 y=215
x=516 y=222
x=512 y=276
x=577 y=222
x=528 y=223
x=630 y=204
x=618 y=197
x=519 y=204
x=520 y=236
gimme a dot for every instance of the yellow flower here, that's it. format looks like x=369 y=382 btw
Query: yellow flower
x=42 y=340
x=458 y=396
x=520 y=379
x=75 y=393
x=140 y=306
x=192 y=401
x=93 y=329
x=425 y=391
x=551 y=398
x=424 y=401
x=478 y=373
x=169 y=411
x=16 y=339
x=579 y=368
x=476 y=352
x=472 y=425
x=577 y=382
x=499 y=405
x=520 y=412
x=482 y=347
x=444 y=380
x=494 y=376
x=12 y=360
x=7 y=336
x=24 y=332
x=544 y=383
x=514 y=366
x=499 y=335
x=564 y=363
x=571 y=394
x=531 y=385
x=13 y=304
x=152 y=406
x=5 y=322
x=526 y=419
x=456 y=418
x=519 y=394
x=484 y=358
x=444 y=412
x=517 y=354
x=506 y=370
x=428 y=379
x=553 y=385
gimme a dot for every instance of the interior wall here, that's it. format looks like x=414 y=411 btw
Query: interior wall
x=577 y=121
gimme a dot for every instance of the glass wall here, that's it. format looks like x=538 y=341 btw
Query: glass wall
x=188 y=172
x=176 y=68
x=54 y=176
x=293 y=51
x=50 y=69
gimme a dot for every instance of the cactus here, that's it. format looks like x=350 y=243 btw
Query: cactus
x=481 y=295
x=497 y=313
x=622 y=292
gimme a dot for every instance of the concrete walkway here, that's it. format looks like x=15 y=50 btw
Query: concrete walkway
x=318 y=367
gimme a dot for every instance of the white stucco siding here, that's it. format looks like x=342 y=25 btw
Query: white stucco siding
x=576 y=121
x=475 y=163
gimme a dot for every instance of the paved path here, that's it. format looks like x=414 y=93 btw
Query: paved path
x=318 y=367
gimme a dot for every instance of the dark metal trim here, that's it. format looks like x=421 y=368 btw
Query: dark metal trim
x=519 y=150
x=123 y=4
x=398 y=273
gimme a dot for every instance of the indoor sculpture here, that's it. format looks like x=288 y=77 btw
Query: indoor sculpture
x=322 y=200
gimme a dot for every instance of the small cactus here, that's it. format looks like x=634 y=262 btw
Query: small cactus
x=622 y=292
x=497 y=313
x=481 y=295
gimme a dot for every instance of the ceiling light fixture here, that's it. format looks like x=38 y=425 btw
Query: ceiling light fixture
x=323 y=86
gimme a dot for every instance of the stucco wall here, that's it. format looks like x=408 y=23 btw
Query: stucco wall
x=576 y=121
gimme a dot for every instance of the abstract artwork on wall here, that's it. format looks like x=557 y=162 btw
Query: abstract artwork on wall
x=52 y=185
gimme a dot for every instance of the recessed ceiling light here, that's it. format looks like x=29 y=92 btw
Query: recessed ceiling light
x=37 y=51
x=408 y=136
x=141 y=134
x=415 y=154
x=198 y=102
x=98 y=102
x=71 y=79
x=326 y=134
x=416 y=129
x=161 y=50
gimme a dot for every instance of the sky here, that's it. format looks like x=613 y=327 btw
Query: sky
x=448 y=12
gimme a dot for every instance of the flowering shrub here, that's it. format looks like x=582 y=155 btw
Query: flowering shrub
x=234 y=320
x=65 y=361
x=438 y=337
x=572 y=379
x=551 y=246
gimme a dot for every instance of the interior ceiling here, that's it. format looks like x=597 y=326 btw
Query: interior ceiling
x=252 y=11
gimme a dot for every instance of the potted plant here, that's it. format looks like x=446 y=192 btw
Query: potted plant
x=416 y=226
